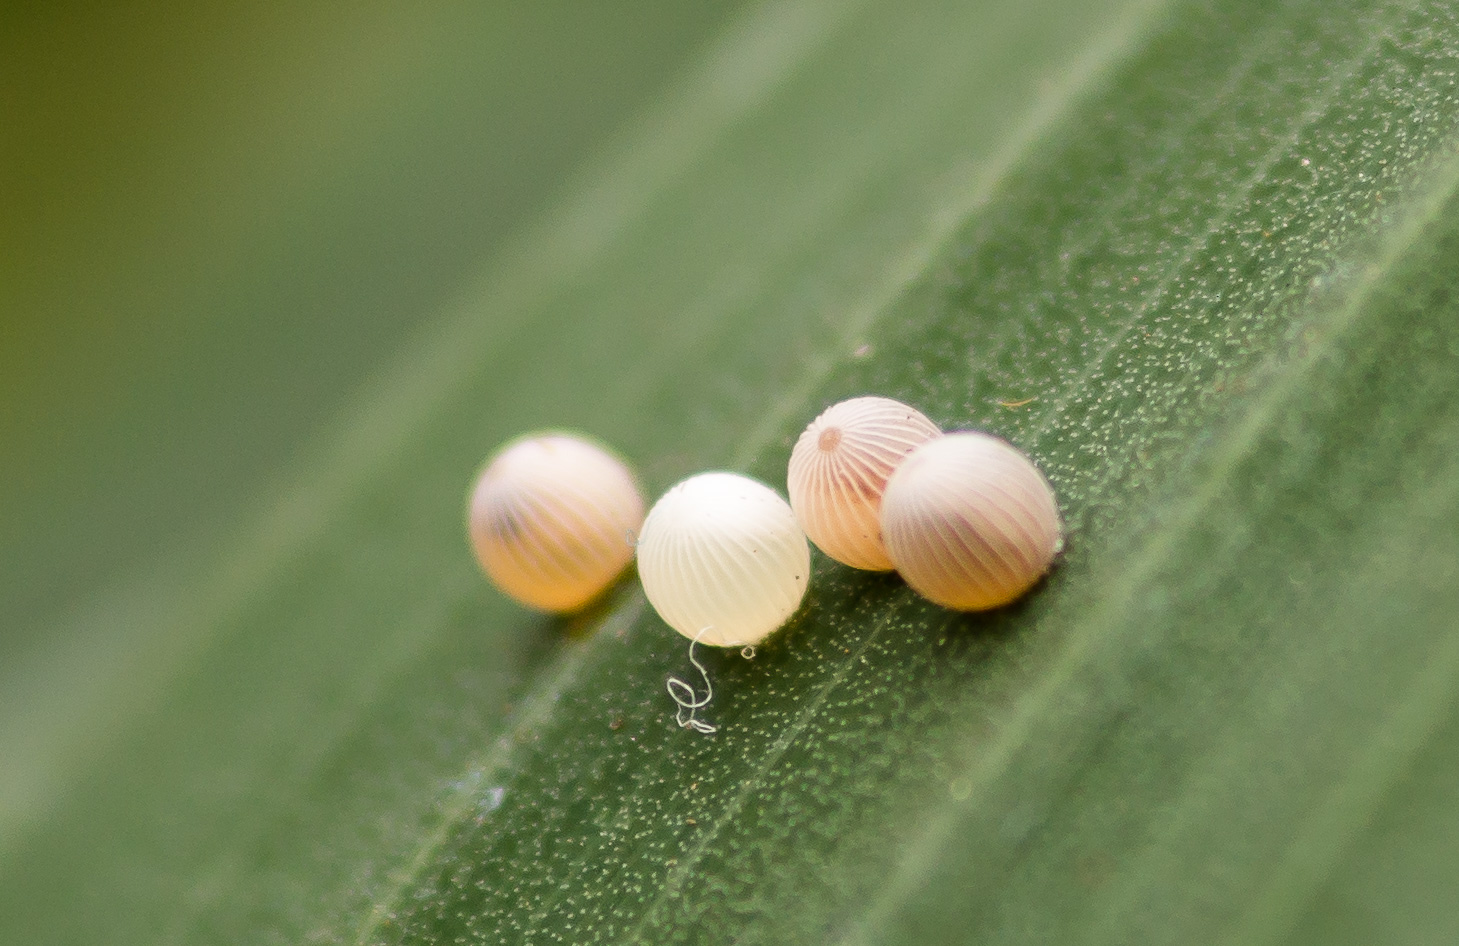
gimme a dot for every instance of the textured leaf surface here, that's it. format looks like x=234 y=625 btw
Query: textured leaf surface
x=1197 y=259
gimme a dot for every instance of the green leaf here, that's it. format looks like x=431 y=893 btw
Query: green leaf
x=1197 y=259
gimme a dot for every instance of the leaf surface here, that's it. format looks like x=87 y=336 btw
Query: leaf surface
x=1196 y=259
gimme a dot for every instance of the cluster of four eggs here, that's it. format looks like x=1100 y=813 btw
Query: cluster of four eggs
x=964 y=517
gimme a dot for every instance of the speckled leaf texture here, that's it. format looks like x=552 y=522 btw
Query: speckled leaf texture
x=1199 y=259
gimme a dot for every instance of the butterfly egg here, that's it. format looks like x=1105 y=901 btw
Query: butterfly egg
x=970 y=522
x=549 y=519
x=839 y=468
x=722 y=559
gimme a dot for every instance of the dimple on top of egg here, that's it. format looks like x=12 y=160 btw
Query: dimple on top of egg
x=839 y=468
x=549 y=519
x=722 y=559
x=970 y=522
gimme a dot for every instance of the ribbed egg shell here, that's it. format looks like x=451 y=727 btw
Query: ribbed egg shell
x=550 y=518
x=970 y=522
x=839 y=468
x=722 y=554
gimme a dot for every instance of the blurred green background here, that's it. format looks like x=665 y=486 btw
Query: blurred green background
x=216 y=219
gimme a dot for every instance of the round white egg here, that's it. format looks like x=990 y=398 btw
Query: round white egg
x=839 y=468
x=970 y=522
x=550 y=518
x=722 y=559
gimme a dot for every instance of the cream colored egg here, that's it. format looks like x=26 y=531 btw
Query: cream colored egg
x=839 y=468
x=722 y=559
x=970 y=522
x=550 y=518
